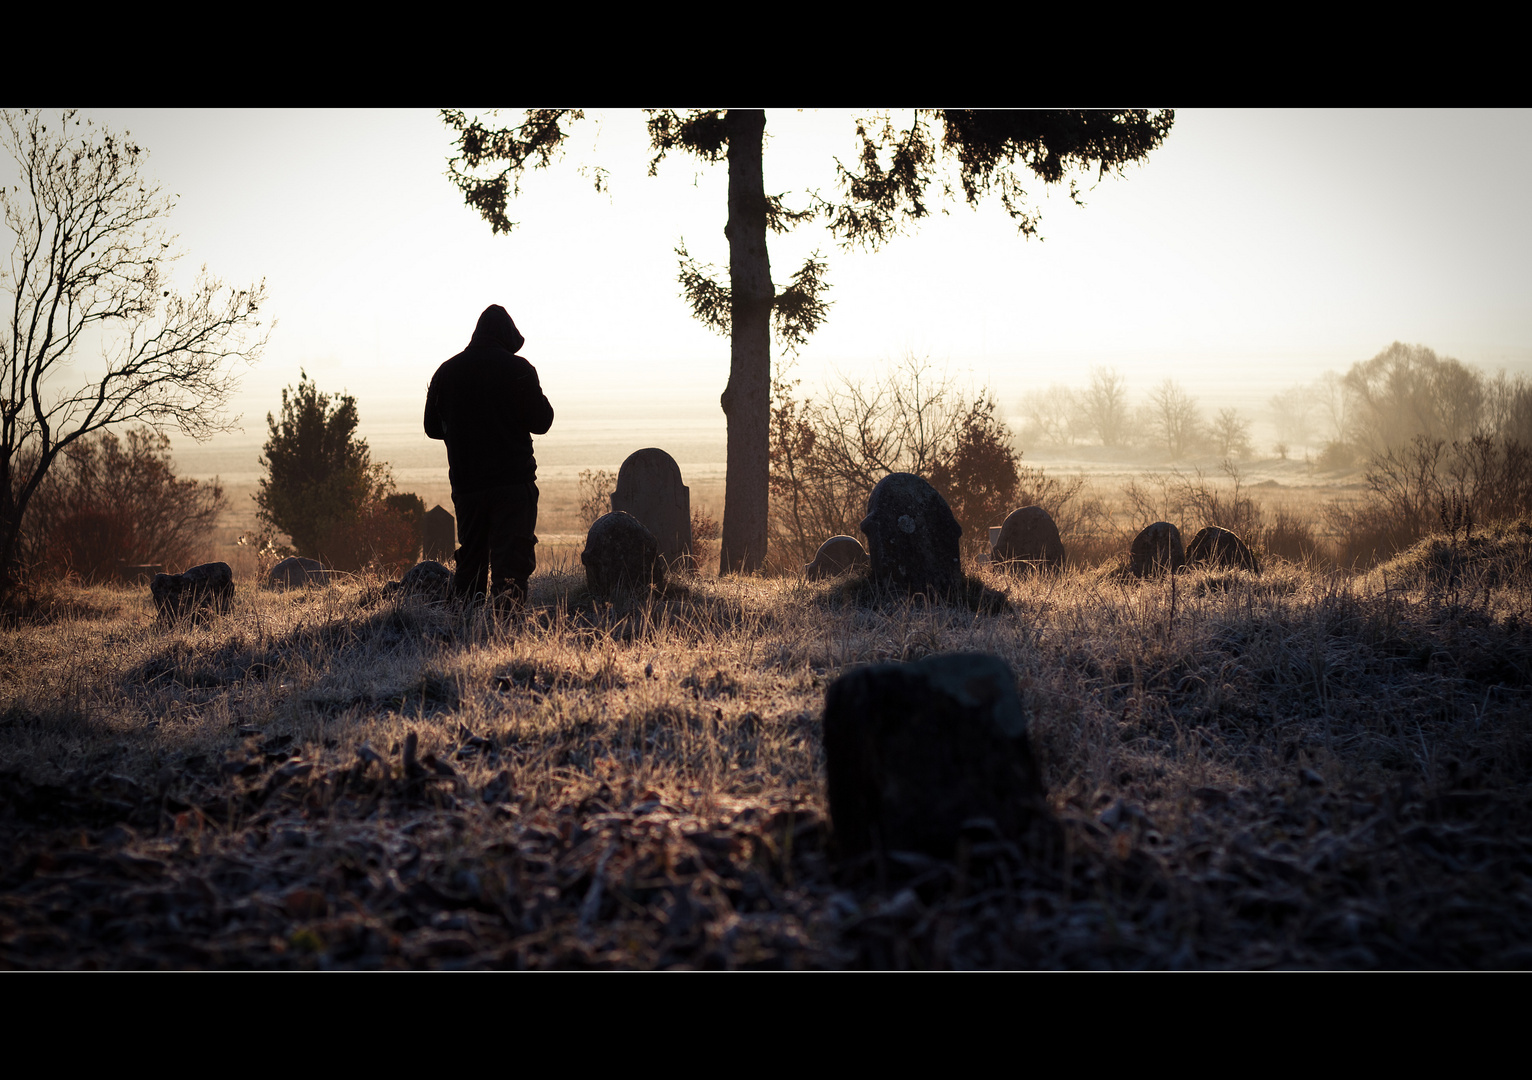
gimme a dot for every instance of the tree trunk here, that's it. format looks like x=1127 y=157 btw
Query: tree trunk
x=746 y=400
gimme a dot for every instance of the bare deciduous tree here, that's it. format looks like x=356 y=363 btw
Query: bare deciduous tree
x=88 y=262
x=1104 y=410
x=1052 y=416
x=1231 y=433
x=1407 y=390
x=1173 y=417
x=1292 y=413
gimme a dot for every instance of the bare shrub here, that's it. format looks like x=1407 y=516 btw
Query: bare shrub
x=596 y=487
x=706 y=532
x=117 y=500
x=1429 y=484
x=1192 y=502
x=827 y=455
x=1291 y=536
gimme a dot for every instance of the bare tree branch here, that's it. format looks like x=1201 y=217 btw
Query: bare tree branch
x=88 y=260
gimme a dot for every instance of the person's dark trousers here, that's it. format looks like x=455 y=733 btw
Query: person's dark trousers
x=496 y=529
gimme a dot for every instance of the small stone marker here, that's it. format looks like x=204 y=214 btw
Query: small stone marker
x=295 y=571
x=1029 y=540
x=835 y=556
x=649 y=488
x=914 y=751
x=428 y=578
x=1220 y=547
x=620 y=553
x=200 y=589
x=1157 y=550
x=438 y=536
x=912 y=537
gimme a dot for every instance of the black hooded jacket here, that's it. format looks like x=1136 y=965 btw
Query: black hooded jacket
x=487 y=404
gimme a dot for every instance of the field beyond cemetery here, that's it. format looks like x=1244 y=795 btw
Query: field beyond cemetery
x=1305 y=768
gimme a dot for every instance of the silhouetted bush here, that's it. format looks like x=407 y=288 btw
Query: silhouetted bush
x=596 y=487
x=115 y=500
x=324 y=491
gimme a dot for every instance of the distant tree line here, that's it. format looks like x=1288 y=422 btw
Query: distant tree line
x=1101 y=414
x=1377 y=405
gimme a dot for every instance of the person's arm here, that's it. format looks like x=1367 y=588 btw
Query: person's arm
x=434 y=429
x=536 y=410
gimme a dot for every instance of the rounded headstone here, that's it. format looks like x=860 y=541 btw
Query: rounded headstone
x=912 y=537
x=209 y=586
x=1029 y=540
x=1156 y=550
x=835 y=556
x=915 y=751
x=649 y=487
x=427 y=577
x=295 y=571
x=621 y=553
x=1220 y=547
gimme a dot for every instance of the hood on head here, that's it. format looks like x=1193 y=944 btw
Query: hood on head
x=496 y=328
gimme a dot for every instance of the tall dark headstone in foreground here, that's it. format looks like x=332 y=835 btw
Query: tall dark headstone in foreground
x=835 y=556
x=1222 y=548
x=1157 y=550
x=649 y=487
x=439 y=534
x=913 y=751
x=912 y=537
x=1029 y=540
x=621 y=553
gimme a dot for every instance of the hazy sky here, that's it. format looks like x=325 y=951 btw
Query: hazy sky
x=1253 y=250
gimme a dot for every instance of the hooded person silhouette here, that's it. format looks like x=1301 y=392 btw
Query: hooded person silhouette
x=486 y=404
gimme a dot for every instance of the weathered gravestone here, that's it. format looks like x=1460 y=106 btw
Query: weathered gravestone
x=913 y=752
x=649 y=488
x=209 y=587
x=1157 y=550
x=1029 y=540
x=438 y=536
x=620 y=553
x=295 y=571
x=1220 y=547
x=912 y=537
x=835 y=556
